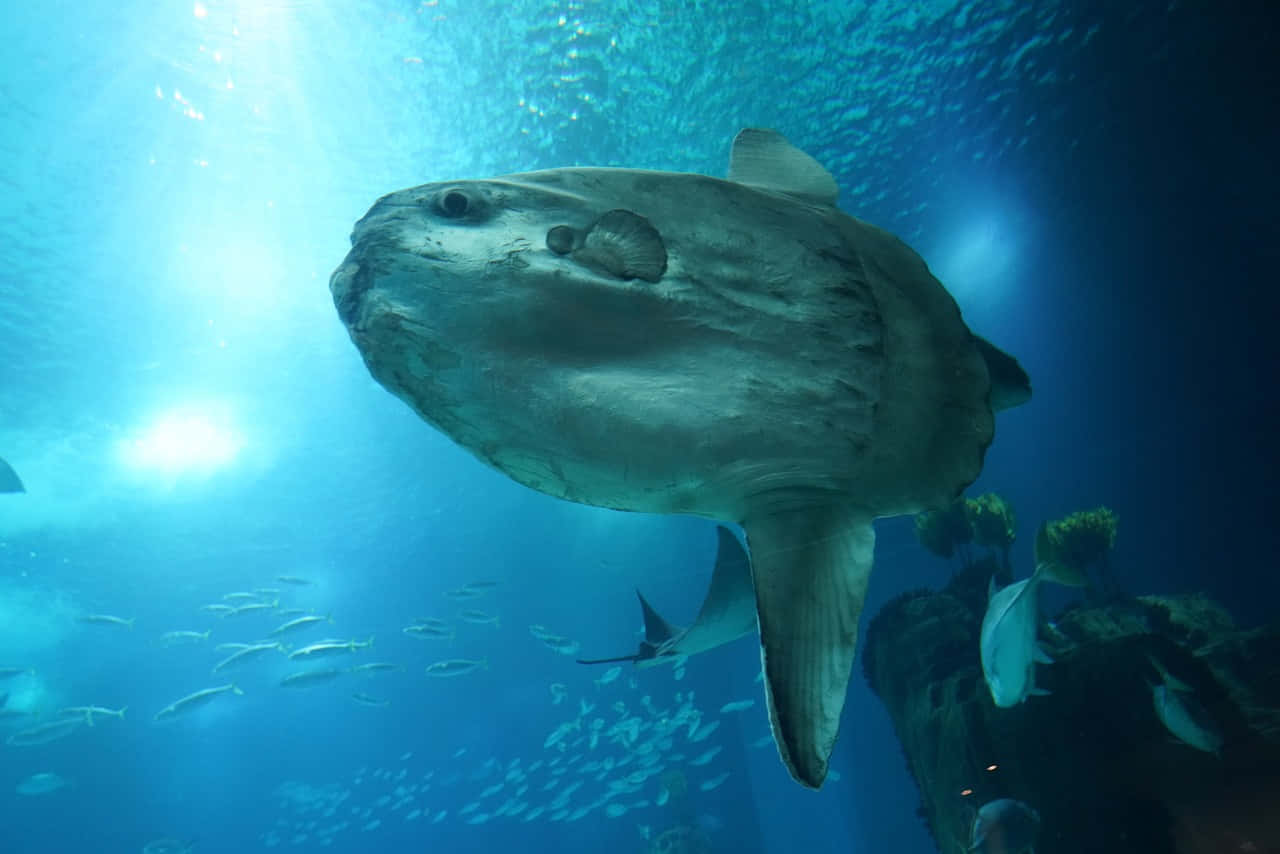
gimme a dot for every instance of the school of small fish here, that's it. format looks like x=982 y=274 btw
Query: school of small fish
x=620 y=753
x=616 y=752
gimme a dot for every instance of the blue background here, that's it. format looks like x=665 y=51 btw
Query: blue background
x=1095 y=185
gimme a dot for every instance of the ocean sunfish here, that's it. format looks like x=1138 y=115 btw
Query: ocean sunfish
x=664 y=342
x=728 y=612
x=9 y=480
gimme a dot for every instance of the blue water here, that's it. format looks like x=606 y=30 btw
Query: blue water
x=177 y=182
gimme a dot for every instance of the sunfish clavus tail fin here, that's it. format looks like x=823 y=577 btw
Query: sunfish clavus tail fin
x=9 y=480
x=811 y=567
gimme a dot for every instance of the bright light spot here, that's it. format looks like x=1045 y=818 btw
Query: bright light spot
x=180 y=442
x=976 y=265
x=964 y=793
x=200 y=11
x=992 y=767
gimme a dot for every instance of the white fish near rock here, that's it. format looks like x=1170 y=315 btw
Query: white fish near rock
x=1007 y=642
x=1182 y=715
x=1004 y=826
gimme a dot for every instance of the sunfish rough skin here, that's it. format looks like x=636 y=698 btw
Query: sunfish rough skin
x=674 y=343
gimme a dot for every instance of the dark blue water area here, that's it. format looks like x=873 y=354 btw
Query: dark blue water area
x=1095 y=185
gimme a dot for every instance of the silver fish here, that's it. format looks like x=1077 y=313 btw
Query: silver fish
x=329 y=649
x=191 y=702
x=89 y=711
x=45 y=733
x=455 y=667
x=107 y=620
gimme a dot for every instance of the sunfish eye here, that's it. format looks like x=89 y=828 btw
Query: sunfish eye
x=455 y=203
x=560 y=240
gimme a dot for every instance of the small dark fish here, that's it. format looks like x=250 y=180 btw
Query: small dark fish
x=9 y=480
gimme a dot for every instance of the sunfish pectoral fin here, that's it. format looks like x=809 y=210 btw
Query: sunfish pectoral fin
x=9 y=480
x=810 y=567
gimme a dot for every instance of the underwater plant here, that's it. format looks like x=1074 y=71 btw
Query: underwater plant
x=1083 y=541
x=942 y=531
x=993 y=524
x=987 y=520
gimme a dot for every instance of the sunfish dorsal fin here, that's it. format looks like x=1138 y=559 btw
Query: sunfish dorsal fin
x=810 y=566
x=763 y=158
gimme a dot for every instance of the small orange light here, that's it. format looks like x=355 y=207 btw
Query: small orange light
x=964 y=793
x=992 y=767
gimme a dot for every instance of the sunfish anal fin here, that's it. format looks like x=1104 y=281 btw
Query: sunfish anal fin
x=810 y=567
